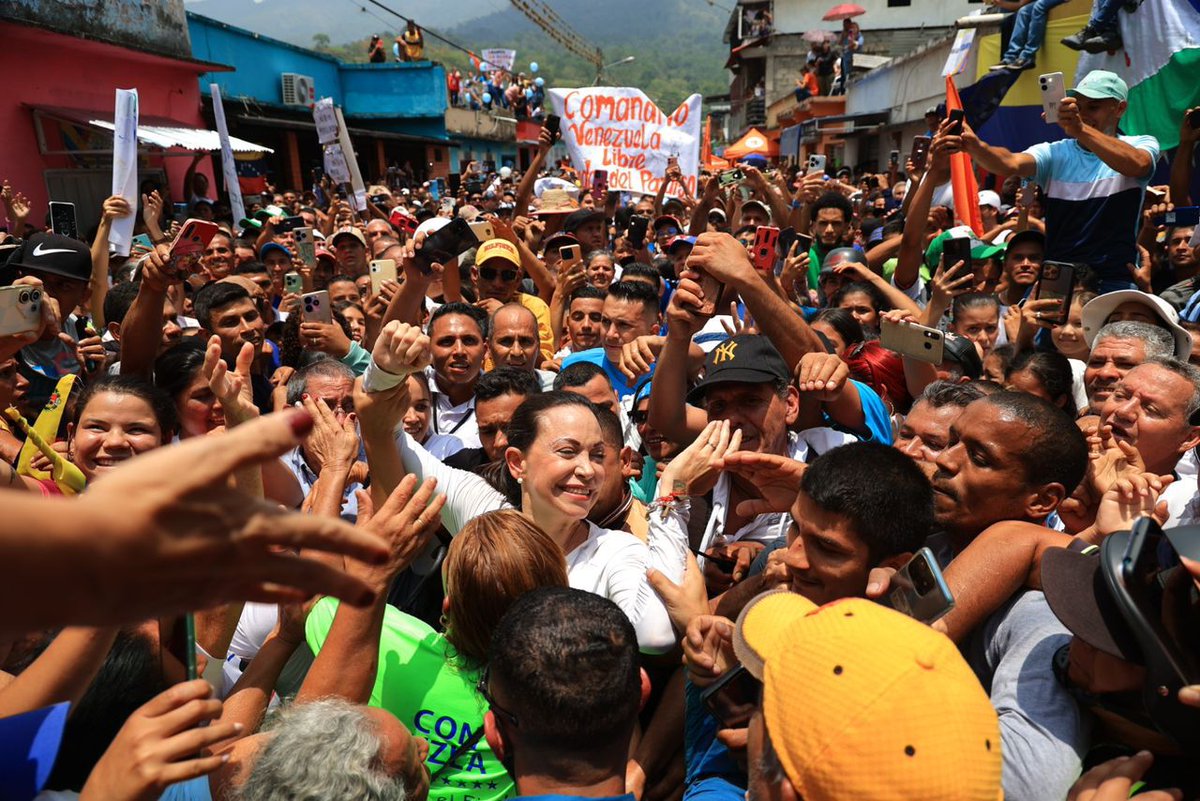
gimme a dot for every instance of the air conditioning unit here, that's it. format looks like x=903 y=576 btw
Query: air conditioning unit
x=298 y=90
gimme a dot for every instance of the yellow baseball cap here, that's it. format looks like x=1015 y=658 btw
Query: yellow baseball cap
x=863 y=702
x=498 y=249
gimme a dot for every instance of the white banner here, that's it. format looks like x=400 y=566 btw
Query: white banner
x=335 y=164
x=125 y=167
x=497 y=58
x=228 y=167
x=356 y=181
x=956 y=62
x=621 y=130
x=326 y=119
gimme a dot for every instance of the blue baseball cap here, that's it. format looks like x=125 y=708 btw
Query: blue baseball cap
x=1101 y=85
x=267 y=248
x=31 y=742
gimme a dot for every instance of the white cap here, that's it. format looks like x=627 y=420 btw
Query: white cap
x=431 y=225
x=989 y=198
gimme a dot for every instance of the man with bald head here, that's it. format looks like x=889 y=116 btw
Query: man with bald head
x=513 y=341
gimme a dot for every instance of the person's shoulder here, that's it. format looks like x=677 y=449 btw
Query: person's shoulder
x=1140 y=140
x=533 y=303
x=614 y=540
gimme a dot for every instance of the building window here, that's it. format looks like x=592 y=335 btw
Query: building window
x=898 y=3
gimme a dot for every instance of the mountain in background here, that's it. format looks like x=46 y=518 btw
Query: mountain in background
x=677 y=44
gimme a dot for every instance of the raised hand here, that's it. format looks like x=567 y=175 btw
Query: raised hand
x=777 y=479
x=232 y=389
x=406 y=521
x=694 y=471
x=401 y=349
x=333 y=443
x=822 y=374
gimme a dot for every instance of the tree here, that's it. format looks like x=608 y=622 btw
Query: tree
x=321 y=41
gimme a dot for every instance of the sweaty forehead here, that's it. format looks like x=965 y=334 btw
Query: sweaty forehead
x=985 y=422
x=513 y=318
x=622 y=308
x=1118 y=348
x=456 y=324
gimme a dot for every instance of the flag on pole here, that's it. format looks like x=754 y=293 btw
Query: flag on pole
x=962 y=173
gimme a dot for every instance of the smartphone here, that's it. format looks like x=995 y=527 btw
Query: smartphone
x=20 y=309
x=919 y=590
x=306 y=248
x=381 y=270
x=445 y=244
x=730 y=177
x=1053 y=91
x=672 y=161
x=189 y=245
x=733 y=697
x=1026 y=194
x=806 y=243
x=1056 y=280
x=1193 y=118
x=764 y=252
x=454 y=182
x=599 y=183
x=143 y=241
x=920 y=151
x=915 y=341
x=637 y=231
x=1184 y=216
x=177 y=639
x=569 y=253
x=62 y=219
x=712 y=288
x=816 y=164
x=489 y=167
x=957 y=249
x=318 y=174
x=956 y=117
x=483 y=230
x=552 y=125
x=315 y=307
x=474 y=187
x=435 y=191
x=786 y=237
x=894 y=158
x=180 y=210
x=289 y=224
x=293 y=283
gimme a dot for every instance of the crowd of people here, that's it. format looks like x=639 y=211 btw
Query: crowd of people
x=618 y=501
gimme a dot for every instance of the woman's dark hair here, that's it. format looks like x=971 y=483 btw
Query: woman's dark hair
x=522 y=429
x=878 y=299
x=973 y=300
x=1052 y=370
x=161 y=403
x=842 y=321
x=176 y=367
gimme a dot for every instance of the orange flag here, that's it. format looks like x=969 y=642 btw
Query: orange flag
x=962 y=174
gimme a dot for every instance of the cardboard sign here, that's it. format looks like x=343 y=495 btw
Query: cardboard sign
x=326 y=119
x=497 y=58
x=621 y=130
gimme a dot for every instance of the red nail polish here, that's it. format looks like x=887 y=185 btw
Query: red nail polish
x=301 y=423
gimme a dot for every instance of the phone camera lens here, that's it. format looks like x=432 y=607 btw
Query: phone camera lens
x=928 y=346
x=23 y=297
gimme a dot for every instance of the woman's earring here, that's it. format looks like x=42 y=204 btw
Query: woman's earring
x=520 y=480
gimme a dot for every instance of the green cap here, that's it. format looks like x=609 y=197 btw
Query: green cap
x=933 y=254
x=985 y=250
x=1101 y=85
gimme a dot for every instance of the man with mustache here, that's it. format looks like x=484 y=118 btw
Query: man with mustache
x=1117 y=349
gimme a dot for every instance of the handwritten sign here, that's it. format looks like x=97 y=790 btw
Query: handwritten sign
x=498 y=58
x=621 y=130
x=326 y=119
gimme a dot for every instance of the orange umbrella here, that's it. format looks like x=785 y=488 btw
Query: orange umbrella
x=844 y=11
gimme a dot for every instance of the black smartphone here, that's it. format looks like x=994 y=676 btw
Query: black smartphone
x=920 y=152
x=637 y=231
x=454 y=180
x=177 y=640
x=806 y=243
x=733 y=697
x=552 y=124
x=292 y=223
x=62 y=219
x=1056 y=281
x=474 y=186
x=180 y=211
x=955 y=250
x=1187 y=216
x=489 y=167
x=446 y=243
x=956 y=122
x=318 y=174
x=786 y=237
x=1193 y=118
x=894 y=158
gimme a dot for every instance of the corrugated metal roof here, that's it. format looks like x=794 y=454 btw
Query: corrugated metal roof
x=157 y=131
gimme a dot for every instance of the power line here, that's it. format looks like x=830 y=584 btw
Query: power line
x=557 y=29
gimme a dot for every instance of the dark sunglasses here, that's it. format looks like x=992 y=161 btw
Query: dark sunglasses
x=490 y=273
x=482 y=688
x=639 y=418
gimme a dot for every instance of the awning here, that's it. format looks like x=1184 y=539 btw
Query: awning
x=154 y=131
x=841 y=124
x=309 y=125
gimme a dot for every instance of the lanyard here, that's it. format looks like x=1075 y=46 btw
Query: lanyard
x=457 y=425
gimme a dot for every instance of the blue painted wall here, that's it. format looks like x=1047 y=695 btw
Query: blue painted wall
x=410 y=98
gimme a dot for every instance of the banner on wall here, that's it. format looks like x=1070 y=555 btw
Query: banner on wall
x=621 y=130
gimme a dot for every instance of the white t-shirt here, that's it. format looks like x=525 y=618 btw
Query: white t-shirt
x=458 y=421
x=610 y=563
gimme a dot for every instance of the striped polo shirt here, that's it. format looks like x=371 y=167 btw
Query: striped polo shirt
x=1092 y=211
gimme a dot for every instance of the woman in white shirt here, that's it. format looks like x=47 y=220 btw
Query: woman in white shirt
x=554 y=469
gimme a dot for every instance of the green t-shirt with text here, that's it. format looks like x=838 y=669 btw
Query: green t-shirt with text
x=436 y=699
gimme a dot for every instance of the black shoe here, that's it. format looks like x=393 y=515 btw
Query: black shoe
x=1075 y=41
x=1020 y=65
x=1104 y=41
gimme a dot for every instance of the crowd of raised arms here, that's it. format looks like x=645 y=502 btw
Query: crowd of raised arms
x=519 y=490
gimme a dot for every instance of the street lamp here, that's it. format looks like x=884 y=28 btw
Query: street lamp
x=600 y=72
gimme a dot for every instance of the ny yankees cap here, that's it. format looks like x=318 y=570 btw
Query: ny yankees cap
x=51 y=253
x=743 y=359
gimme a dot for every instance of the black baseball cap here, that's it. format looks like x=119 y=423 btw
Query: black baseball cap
x=1028 y=235
x=58 y=255
x=743 y=359
x=1073 y=582
x=577 y=219
x=962 y=350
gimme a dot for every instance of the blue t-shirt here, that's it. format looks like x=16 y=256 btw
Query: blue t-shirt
x=618 y=380
x=878 y=421
x=1093 y=212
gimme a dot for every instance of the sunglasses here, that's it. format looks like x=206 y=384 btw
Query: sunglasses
x=490 y=274
x=639 y=418
x=482 y=688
